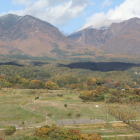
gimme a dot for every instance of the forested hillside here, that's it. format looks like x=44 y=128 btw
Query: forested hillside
x=35 y=74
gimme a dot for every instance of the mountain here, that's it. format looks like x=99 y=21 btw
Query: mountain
x=99 y=24
x=121 y=37
x=27 y=35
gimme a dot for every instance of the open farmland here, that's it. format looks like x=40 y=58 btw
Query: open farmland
x=29 y=108
x=21 y=106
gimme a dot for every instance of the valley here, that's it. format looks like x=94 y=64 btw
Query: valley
x=38 y=93
x=84 y=86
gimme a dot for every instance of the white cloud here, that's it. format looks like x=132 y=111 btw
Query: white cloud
x=106 y=3
x=127 y=10
x=54 y=11
x=96 y=16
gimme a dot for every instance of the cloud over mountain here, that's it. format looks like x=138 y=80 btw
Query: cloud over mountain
x=58 y=12
x=126 y=10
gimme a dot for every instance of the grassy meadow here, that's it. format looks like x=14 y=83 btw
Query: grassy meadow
x=19 y=107
x=30 y=108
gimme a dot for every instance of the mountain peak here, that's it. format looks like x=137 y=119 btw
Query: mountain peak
x=111 y=36
x=9 y=16
x=99 y=24
x=8 y=20
x=32 y=36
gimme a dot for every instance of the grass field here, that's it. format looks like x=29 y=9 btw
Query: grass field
x=19 y=107
x=11 y=111
x=69 y=106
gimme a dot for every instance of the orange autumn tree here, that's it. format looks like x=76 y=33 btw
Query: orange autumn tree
x=91 y=81
x=51 y=85
x=93 y=95
x=54 y=132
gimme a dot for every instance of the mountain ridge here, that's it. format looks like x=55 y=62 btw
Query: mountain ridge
x=107 y=39
x=100 y=24
x=30 y=36
x=35 y=37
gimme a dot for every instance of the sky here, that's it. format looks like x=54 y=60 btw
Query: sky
x=70 y=15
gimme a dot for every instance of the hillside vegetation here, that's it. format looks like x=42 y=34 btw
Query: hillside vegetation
x=80 y=98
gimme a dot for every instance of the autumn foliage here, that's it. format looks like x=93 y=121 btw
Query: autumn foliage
x=51 y=85
x=127 y=116
x=54 y=132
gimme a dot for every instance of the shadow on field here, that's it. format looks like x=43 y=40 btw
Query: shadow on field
x=12 y=63
x=101 y=66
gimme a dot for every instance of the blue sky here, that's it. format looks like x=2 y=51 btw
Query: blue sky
x=70 y=15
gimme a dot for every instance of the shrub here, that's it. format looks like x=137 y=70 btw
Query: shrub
x=60 y=95
x=43 y=131
x=93 y=95
x=65 y=105
x=78 y=115
x=111 y=99
x=134 y=98
x=57 y=133
x=10 y=130
x=36 y=98
x=85 y=95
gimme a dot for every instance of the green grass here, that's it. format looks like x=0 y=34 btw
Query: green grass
x=15 y=113
x=54 y=105
x=11 y=110
x=49 y=103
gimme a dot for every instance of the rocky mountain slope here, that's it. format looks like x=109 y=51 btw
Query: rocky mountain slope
x=32 y=36
x=122 y=37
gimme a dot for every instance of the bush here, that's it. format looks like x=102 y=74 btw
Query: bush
x=60 y=95
x=93 y=95
x=97 y=97
x=57 y=133
x=111 y=99
x=10 y=130
x=78 y=115
x=134 y=98
x=65 y=105
x=43 y=131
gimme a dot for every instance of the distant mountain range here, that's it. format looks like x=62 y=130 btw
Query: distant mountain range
x=27 y=35
x=120 y=37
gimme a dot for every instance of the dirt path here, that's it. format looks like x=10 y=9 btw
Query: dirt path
x=48 y=119
x=31 y=111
